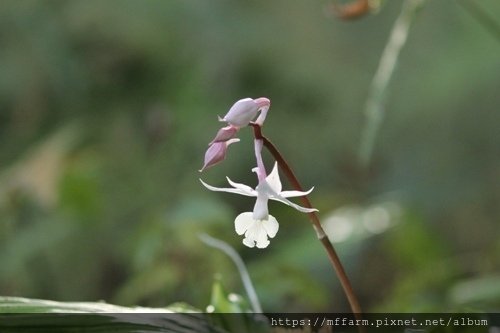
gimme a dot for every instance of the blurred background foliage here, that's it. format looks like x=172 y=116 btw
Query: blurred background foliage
x=106 y=108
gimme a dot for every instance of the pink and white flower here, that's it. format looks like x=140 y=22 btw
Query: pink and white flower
x=259 y=225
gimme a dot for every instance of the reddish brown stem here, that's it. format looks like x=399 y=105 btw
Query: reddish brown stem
x=313 y=217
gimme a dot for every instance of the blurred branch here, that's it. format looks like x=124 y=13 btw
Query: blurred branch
x=482 y=17
x=374 y=109
x=240 y=265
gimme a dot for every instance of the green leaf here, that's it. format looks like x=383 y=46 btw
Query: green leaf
x=241 y=319
x=25 y=315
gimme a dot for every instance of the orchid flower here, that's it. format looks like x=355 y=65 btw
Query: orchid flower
x=258 y=225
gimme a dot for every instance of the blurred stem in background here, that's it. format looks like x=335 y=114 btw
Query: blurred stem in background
x=482 y=17
x=240 y=265
x=374 y=109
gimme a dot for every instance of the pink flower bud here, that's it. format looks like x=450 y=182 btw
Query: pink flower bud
x=224 y=134
x=216 y=153
x=242 y=112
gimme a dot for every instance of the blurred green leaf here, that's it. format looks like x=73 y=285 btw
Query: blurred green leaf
x=241 y=318
x=482 y=291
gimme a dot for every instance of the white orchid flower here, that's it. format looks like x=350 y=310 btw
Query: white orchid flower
x=258 y=225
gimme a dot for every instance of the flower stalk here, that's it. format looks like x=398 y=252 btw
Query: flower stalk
x=313 y=217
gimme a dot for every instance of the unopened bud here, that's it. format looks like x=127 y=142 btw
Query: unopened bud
x=216 y=153
x=242 y=112
x=224 y=134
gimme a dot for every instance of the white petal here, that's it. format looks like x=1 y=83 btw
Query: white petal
x=248 y=242
x=263 y=242
x=229 y=190
x=243 y=222
x=245 y=188
x=291 y=204
x=291 y=194
x=253 y=232
x=260 y=211
x=274 y=179
x=258 y=234
x=271 y=226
